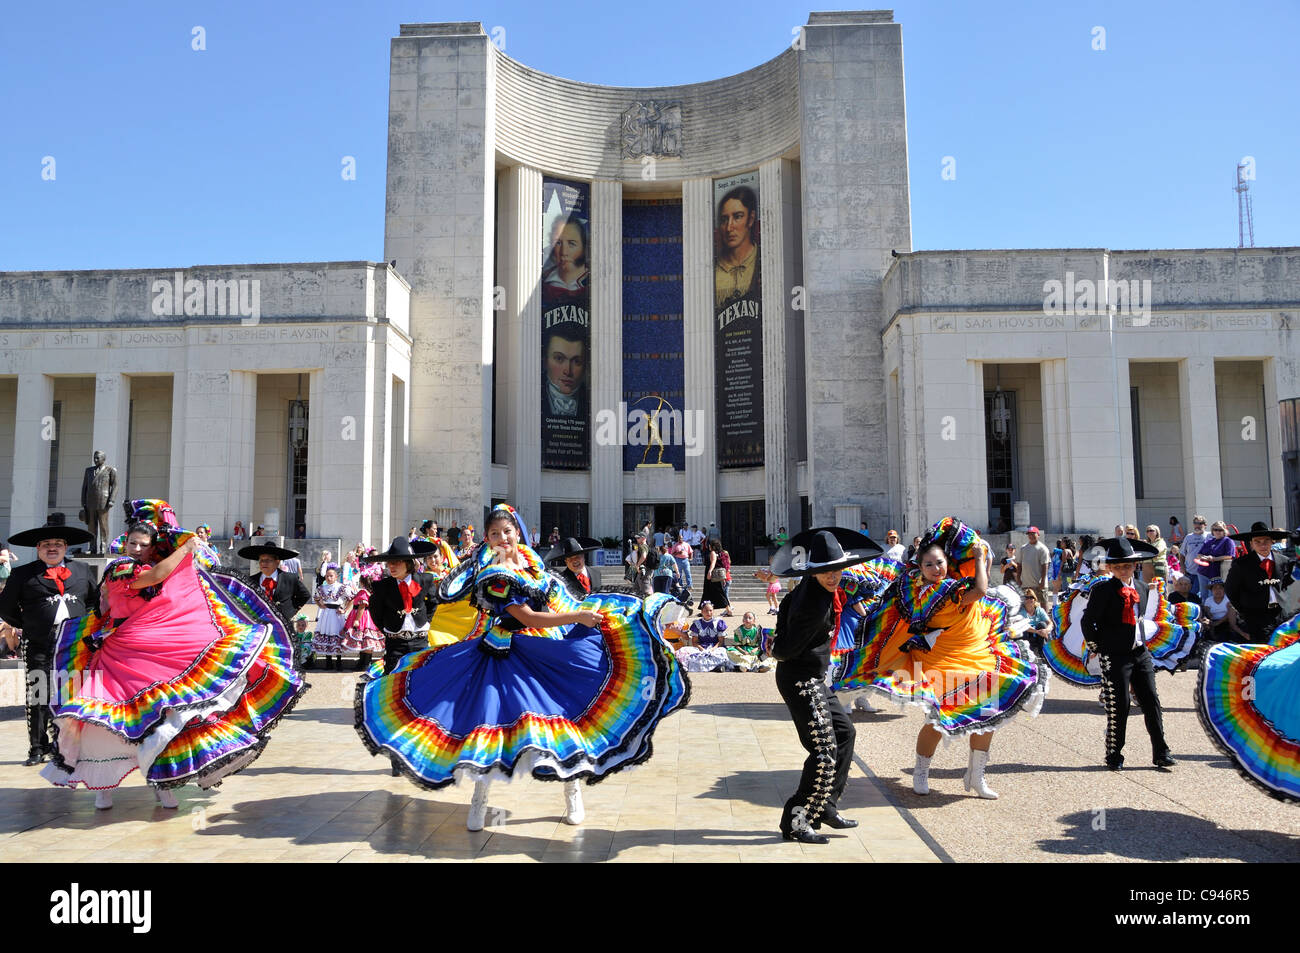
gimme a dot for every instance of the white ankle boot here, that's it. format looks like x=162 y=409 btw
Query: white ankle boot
x=103 y=800
x=975 y=775
x=166 y=798
x=573 y=812
x=921 y=775
x=478 y=806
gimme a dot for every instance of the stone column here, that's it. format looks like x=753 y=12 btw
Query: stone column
x=176 y=470
x=1101 y=435
x=520 y=352
x=1056 y=446
x=1198 y=410
x=910 y=379
x=855 y=211
x=776 y=298
x=697 y=321
x=438 y=228
x=217 y=439
x=605 y=371
x=33 y=431
x=109 y=433
x=1281 y=382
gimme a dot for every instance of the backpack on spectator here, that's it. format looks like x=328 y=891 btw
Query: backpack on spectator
x=652 y=560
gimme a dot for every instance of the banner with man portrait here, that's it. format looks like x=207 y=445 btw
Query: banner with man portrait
x=566 y=325
x=738 y=321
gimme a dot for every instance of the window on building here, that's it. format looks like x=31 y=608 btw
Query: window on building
x=298 y=435
x=1290 y=412
x=1001 y=457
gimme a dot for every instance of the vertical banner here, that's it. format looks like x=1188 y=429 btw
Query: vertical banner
x=738 y=322
x=566 y=325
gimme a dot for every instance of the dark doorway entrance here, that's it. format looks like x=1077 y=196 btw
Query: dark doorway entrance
x=1002 y=457
x=658 y=515
x=743 y=522
x=571 y=518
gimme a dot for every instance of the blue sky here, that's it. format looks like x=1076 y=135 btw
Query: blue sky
x=167 y=156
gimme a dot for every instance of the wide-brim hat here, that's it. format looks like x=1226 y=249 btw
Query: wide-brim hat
x=266 y=549
x=1121 y=549
x=1258 y=528
x=401 y=548
x=571 y=546
x=55 y=528
x=824 y=549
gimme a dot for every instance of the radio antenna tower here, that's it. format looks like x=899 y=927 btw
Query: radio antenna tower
x=1245 y=214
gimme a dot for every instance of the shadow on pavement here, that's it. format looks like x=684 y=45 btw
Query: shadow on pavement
x=1165 y=835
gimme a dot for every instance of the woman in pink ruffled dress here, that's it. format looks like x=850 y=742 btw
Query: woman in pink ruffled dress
x=181 y=672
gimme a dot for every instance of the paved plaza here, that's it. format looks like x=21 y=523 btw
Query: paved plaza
x=712 y=792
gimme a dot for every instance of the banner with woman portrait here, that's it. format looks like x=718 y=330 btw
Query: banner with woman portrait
x=738 y=321
x=566 y=325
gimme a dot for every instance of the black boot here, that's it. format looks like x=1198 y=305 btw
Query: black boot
x=363 y=662
x=833 y=819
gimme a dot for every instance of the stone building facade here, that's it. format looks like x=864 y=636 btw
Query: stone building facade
x=828 y=373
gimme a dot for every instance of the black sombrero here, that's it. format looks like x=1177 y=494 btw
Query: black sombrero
x=1258 y=528
x=402 y=548
x=572 y=546
x=266 y=549
x=1121 y=549
x=822 y=550
x=55 y=528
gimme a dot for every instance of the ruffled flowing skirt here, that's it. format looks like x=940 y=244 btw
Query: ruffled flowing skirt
x=563 y=703
x=187 y=689
x=966 y=685
x=1170 y=629
x=360 y=633
x=1248 y=700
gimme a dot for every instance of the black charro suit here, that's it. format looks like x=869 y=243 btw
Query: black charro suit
x=31 y=602
x=1123 y=665
x=574 y=584
x=802 y=648
x=1247 y=588
x=290 y=594
x=388 y=611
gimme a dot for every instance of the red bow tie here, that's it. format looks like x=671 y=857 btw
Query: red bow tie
x=586 y=582
x=1267 y=563
x=58 y=574
x=268 y=586
x=409 y=589
x=1128 y=614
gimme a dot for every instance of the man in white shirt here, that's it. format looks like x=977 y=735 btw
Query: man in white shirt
x=1035 y=558
x=893 y=548
x=1191 y=548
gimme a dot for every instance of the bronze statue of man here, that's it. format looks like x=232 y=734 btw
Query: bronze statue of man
x=98 y=487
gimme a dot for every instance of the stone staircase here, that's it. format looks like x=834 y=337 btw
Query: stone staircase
x=744 y=587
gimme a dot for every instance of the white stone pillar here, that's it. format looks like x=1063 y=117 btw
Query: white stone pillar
x=909 y=425
x=1198 y=410
x=33 y=431
x=1281 y=382
x=521 y=272
x=606 y=369
x=219 y=432
x=697 y=321
x=1056 y=446
x=776 y=298
x=176 y=470
x=1101 y=436
x=109 y=433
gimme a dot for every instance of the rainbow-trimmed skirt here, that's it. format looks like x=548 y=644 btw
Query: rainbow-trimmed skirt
x=563 y=703
x=1248 y=699
x=206 y=723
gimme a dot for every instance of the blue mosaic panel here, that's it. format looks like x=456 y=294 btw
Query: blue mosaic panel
x=653 y=335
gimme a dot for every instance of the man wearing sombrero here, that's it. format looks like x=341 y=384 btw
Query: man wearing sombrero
x=571 y=553
x=1256 y=580
x=1113 y=633
x=284 y=590
x=40 y=595
x=805 y=624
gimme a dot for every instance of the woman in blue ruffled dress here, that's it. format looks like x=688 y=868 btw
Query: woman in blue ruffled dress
x=542 y=683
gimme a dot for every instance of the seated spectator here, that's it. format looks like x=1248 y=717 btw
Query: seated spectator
x=1183 y=590
x=705 y=649
x=1040 y=626
x=1220 y=618
x=746 y=651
